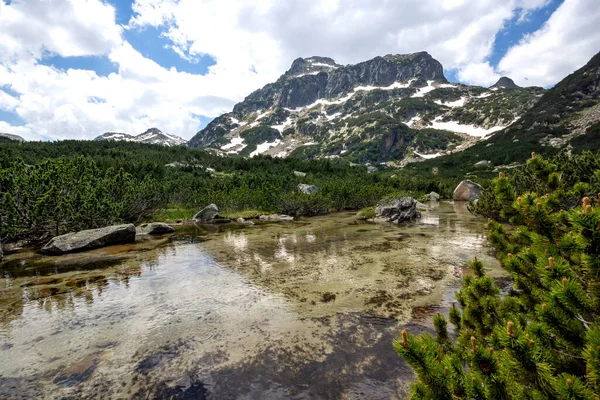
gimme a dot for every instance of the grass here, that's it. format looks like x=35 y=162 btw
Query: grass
x=175 y=214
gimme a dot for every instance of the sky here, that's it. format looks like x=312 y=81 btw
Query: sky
x=74 y=69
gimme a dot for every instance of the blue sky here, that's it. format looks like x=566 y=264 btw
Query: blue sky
x=77 y=68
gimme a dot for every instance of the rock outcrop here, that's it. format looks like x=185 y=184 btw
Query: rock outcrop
x=155 y=228
x=308 y=189
x=505 y=83
x=207 y=214
x=90 y=239
x=398 y=210
x=433 y=196
x=467 y=190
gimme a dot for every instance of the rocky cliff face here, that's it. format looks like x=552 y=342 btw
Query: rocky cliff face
x=388 y=108
x=151 y=136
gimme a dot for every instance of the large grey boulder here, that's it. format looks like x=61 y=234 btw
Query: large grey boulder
x=207 y=214
x=90 y=239
x=276 y=218
x=483 y=164
x=467 y=190
x=307 y=189
x=398 y=210
x=154 y=228
x=433 y=196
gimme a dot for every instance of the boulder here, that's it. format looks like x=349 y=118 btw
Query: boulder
x=276 y=218
x=90 y=239
x=467 y=190
x=483 y=164
x=308 y=189
x=371 y=169
x=433 y=196
x=300 y=174
x=398 y=210
x=154 y=228
x=242 y=221
x=207 y=214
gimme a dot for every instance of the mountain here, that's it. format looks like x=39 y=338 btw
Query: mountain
x=8 y=137
x=504 y=83
x=397 y=107
x=151 y=136
x=566 y=117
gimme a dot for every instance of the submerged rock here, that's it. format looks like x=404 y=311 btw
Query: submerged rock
x=207 y=214
x=276 y=218
x=154 y=228
x=307 y=189
x=433 y=196
x=467 y=190
x=398 y=210
x=90 y=239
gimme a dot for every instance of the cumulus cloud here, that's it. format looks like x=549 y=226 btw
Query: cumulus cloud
x=569 y=38
x=252 y=43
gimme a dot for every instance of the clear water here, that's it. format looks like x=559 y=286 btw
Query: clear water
x=292 y=310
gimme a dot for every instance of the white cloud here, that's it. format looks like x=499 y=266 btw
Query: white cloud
x=253 y=43
x=565 y=43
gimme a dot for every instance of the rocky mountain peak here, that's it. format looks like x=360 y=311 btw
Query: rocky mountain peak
x=311 y=66
x=505 y=83
x=154 y=131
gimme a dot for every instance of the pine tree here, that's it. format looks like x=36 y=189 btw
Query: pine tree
x=541 y=340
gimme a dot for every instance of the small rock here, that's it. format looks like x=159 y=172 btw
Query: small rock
x=371 y=169
x=154 y=228
x=207 y=214
x=276 y=218
x=327 y=297
x=467 y=190
x=242 y=221
x=308 y=189
x=300 y=174
x=433 y=196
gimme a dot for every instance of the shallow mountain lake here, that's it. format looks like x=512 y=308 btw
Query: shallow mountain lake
x=298 y=310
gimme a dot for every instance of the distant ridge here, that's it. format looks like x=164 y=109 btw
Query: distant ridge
x=151 y=136
x=9 y=137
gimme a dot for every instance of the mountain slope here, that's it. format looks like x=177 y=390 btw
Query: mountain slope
x=151 y=136
x=9 y=137
x=565 y=117
x=397 y=107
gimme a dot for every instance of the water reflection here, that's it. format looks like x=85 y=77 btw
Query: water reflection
x=268 y=310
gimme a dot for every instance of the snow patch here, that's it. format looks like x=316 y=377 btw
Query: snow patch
x=413 y=120
x=424 y=90
x=287 y=123
x=458 y=103
x=470 y=130
x=238 y=141
x=428 y=156
x=484 y=95
x=261 y=148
